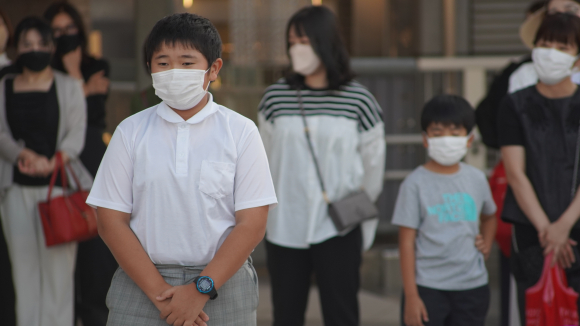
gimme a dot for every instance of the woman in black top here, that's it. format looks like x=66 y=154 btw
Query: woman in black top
x=41 y=112
x=95 y=264
x=538 y=134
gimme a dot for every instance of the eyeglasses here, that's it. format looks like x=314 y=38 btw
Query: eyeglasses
x=68 y=30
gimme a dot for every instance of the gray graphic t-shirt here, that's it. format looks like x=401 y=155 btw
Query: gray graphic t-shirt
x=445 y=210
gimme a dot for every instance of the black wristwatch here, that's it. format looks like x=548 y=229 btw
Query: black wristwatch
x=204 y=284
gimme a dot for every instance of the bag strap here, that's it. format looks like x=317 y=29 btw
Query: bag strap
x=72 y=172
x=576 y=163
x=58 y=167
x=310 y=146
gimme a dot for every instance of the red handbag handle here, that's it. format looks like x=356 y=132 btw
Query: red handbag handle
x=58 y=167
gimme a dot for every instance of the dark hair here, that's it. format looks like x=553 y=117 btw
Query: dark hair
x=560 y=27
x=64 y=7
x=188 y=29
x=536 y=5
x=321 y=27
x=9 y=27
x=448 y=110
x=33 y=23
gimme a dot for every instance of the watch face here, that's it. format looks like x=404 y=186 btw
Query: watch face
x=204 y=284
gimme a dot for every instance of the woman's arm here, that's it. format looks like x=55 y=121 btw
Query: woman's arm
x=187 y=301
x=373 y=152
x=515 y=169
x=75 y=120
x=415 y=312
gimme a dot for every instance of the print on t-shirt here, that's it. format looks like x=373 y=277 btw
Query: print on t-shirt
x=456 y=207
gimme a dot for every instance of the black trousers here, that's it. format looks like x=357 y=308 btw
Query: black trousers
x=453 y=308
x=94 y=271
x=527 y=262
x=336 y=266
x=8 y=298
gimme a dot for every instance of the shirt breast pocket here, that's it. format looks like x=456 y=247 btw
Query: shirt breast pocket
x=217 y=179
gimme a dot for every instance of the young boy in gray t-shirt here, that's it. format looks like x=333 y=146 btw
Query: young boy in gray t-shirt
x=445 y=213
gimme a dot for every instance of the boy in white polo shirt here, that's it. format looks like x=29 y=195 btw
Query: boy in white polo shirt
x=183 y=193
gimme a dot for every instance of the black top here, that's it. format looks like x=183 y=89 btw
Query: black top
x=33 y=119
x=548 y=130
x=486 y=112
x=95 y=103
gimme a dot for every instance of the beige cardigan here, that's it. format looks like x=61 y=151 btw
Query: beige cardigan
x=71 y=130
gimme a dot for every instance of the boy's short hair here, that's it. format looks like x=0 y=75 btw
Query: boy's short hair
x=560 y=27
x=188 y=29
x=448 y=110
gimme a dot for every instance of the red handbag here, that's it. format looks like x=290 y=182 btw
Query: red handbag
x=67 y=218
x=551 y=302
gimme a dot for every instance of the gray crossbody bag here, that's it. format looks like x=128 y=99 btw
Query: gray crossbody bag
x=350 y=210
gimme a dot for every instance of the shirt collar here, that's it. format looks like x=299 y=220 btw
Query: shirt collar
x=169 y=115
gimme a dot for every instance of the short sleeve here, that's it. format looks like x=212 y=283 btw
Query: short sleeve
x=407 y=208
x=113 y=186
x=488 y=207
x=509 y=128
x=253 y=185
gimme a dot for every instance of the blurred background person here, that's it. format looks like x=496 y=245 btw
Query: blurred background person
x=347 y=133
x=7 y=300
x=145 y=98
x=95 y=263
x=41 y=112
x=538 y=133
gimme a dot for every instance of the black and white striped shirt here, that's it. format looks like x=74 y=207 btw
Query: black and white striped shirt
x=347 y=134
x=351 y=101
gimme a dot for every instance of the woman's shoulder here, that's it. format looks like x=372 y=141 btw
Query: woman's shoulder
x=280 y=85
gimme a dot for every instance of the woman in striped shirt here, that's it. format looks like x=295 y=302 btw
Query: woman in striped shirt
x=347 y=133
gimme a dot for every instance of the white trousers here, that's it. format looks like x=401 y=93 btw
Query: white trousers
x=43 y=277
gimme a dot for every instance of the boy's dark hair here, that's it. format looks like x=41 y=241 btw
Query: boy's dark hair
x=448 y=110
x=320 y=25
x=560 y=27
x=33 y=23
x=188 y=29
x=65 y=7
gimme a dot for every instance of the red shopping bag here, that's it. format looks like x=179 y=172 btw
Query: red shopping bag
x=551 y=302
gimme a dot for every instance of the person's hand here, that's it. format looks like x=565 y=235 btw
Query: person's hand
x=415 y=311
x=32 y=164
x=72 y=63
x=482 y=247
x=542 y=234
x=97 y=84
x=556 y=238
x=184 y=307
x=567 y=257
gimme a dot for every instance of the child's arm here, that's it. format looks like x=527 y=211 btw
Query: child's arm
x=415 y=311
x=187 y=301
x=115 y=231
x=487 y=228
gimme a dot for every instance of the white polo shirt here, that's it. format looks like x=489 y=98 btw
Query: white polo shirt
x=182 y=181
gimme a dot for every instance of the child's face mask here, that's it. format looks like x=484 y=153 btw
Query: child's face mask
x=447 y=150
x=180 y=89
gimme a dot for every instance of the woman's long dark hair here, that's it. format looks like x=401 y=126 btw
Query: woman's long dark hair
x=65 y=7
x=321 y=27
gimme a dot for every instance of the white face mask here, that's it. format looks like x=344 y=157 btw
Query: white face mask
x=447 y=150
x=304 y=59
x=181 y=89
x=552 y=65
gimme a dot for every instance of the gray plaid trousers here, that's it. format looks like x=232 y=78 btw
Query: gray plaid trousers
x=236 y=303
